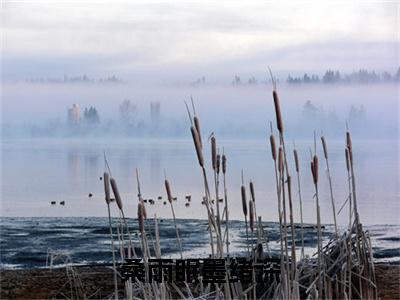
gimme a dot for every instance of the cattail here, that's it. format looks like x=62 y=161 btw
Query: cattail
x=324 y=147
x=252 y=192
x=214 y=153
x=348 y=141
x=315 y=165
x=280 y=160
x=347 y=159
x=244 y=204
x=312 y=170
x=289 y=184
x=140 y=217
x=223 y=163
x=218 y=163
x=279 y=122
x=296 y=160
x=116 y=193
x=273 y=146
x=350 y=156
x=197 y=126
x=106 y=179
x=251 y=216
x=168 y=189
x=144 y=207
x=197 y=145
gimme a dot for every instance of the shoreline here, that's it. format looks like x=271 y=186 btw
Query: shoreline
x=97 y=282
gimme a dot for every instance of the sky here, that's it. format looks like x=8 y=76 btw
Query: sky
x=181 y=40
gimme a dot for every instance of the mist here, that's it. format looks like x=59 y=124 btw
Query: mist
x=41 y=110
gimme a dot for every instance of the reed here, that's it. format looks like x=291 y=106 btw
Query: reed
x=297 y=167
x=244 y=208
x=314 y=171
x=214 y=160
x=343 y=268
x=106 y=180
x=224 y=162
x=169 y=195
x=279 y=121
x=325 y=148
x=196 y=135
x=118 y=200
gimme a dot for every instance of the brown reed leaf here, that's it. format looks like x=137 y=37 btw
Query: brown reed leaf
x=140 y=217
x=106 y=179
x=197 y=126
x=280 y=160
x=347 y=159
x=197 y=145
x=279 y=121
x=251 y=215
x=273 y=146
x=325 y=147
x=168 y=189
x=214 y=153
x=224 y=163
x=116 y=193
x=296 y=160
x=244 y=201
x=315 y=165
x=253 y=197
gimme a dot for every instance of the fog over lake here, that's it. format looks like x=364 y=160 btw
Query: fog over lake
x=38 y=170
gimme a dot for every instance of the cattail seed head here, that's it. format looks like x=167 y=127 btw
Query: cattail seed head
x=197 y=126
x=214 y=153
x=350 y=156
x=144 y=207
x=325 y=147
x=347 y=159
x=106 y=179
x=223 y=163
x=312 y=170
x=273 y=146
x=116 y=192
x=348 y=141
x=296 y=160
x=280 y=160
x=197 y=145
x=140 y=217
x=289 y=184
x=279 y=121
x=168 y=189
x=315 y=165
x=253 y=197
x=244 y=204
x=218 y=163
x=251 y=215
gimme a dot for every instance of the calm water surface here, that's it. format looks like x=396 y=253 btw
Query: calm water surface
x=38 y=171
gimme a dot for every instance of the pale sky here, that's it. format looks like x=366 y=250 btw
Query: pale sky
x=181 y=39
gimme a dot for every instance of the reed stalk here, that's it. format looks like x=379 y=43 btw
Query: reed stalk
x=214 y=159
x=106 y=180
x=297 y=166
x=169 y=195
x=224 y=162
x=244 y=208
x=325 y=148
x=314 y=171
x=118 y=199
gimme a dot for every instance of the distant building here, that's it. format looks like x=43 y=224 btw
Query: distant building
x=154 y=112
x=74 y=115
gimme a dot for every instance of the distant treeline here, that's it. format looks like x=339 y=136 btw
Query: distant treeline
x=360 y=76
x=330 y=77
x=74 y=79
